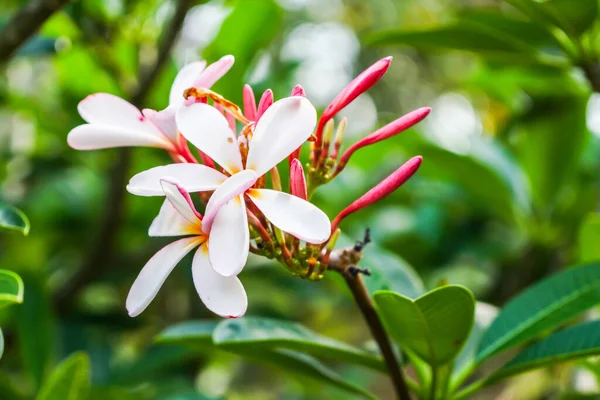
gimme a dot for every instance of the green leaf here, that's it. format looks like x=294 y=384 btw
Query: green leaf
x=573 y=342
x=435 y=326
x=69 y=381
x=589 y=237
x=11 y=288
x=13 y=219
x=196 y=334
x=253 y=332
x=541 y=307
x=388 y=270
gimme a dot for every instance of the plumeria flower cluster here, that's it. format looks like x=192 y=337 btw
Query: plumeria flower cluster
x=245 y=208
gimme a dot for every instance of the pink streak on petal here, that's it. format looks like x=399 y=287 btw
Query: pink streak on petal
x=298 y=90
x=381 y=190
x=214 y=72
x=249 y=103
x=186 y=196
x=389 y=130
x=297 y=179
x=265 y=102
x=359 y=85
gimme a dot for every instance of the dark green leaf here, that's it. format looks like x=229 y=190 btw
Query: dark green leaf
x=541 y=307
x=11 y=288
x=197 y=334
x=573 y=342
x=12 y=218
x=69 y=381
x=268 y=333
x=435 y=326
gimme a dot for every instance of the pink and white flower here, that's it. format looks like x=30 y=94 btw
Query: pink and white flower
x=281 y=129
x=224 y=296
x=114 y=122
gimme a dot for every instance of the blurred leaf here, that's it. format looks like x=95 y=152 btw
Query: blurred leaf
x=272 y=334
x=197 y=334
x=11 y=288
x=388 y=270
x=13 y=219
x=435 y=326
x=543 y=306
x=69 y=381
x=589 y=237
x=573 y=342
x=1 y=344
x=38 y=46
x=250 y=27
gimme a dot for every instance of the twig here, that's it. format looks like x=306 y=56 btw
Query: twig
x=102 y=252
x=25 y=23
x=342 y=261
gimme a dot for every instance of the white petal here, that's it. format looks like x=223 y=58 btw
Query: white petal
x=107 y=109
x=229 y=238
x=155 y=272
x=282 y=129
x=180 y=199
x=93 y=137
x=215 y=71
x=169 y=222
x=231 y=188
x=293 y=215
x=164 y=121
x=208 y=130
x=223 y=296
x=184 y=80
x=192 y=177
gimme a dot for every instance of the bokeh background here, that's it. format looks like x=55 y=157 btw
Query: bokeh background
x=507 y=192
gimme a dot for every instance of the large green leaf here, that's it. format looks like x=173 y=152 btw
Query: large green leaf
x=435 y=326
x=573 y=342
x=13 y=219
x=69 y=381
x=388 y=270
x=196 y=334
x=541 y=307
x=252 y=332
x=11 y=288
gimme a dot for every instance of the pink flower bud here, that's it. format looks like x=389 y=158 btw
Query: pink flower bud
x=249 y=103
x=298 y=90
x=265 y=102
x=206 y=160
x=297 y=179
x=358 y=86
x=389 y=130
x=383 y=188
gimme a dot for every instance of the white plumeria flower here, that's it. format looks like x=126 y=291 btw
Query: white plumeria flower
x=224 y=296
x=114 y=122
x=282 y=129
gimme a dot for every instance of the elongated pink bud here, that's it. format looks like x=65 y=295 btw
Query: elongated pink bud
x=206 y=160
x=265 y=102
x=297 y=179
x=214 y=72
x=228 y=116
x=389 y=130
x=358 y=86
x=381 y=190
x=298 y=90
x=249 y=103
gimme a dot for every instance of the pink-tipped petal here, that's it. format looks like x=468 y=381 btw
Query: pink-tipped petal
x=231 y=188
x=214 y=72
x=95 y=137
x=207 y=129
x=229 y=238
x=282 y=129
x=185 y=79
x=389 y=130
x=170 y=222
x=292 y=215
x=298 y=90
x=297 y=179
x=225 y=297
x=266 y=100
x=165 y=121
x=382 y=189
x=355 y=88
x=181 y=200
x=192 y=177
x=249 y=103
x=108 y=109
x=155 y=272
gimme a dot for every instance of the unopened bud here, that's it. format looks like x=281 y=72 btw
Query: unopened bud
x=249 y=103
x=265 y=102
x=339 y=137
x=297 y=179
x=298 y=90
